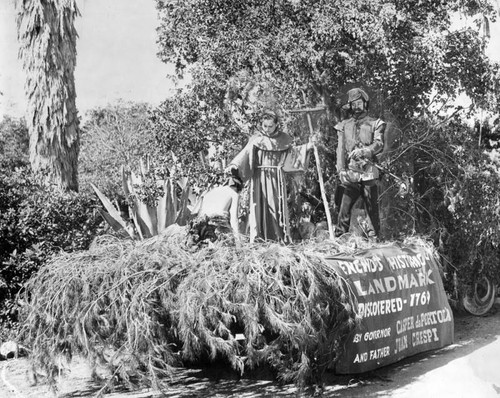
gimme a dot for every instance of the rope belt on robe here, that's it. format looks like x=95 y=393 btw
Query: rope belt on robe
x=281 y=198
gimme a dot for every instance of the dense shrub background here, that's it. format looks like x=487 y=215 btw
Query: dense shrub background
x=36 y=220
x=454 y=198
x=14 y=143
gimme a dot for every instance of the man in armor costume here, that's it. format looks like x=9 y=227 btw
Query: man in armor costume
x=360 y=139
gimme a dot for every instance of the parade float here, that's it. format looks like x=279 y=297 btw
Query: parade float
x=140 y=308
x=152 y=297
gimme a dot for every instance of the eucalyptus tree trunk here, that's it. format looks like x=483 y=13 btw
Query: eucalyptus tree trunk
x=47 y=42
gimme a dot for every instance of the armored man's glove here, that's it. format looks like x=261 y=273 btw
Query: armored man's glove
x=360 y=153
x=343 y=177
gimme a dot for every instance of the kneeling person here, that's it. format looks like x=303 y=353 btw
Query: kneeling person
x=218 y=212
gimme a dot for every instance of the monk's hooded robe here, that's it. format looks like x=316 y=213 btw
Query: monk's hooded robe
x=264 y=161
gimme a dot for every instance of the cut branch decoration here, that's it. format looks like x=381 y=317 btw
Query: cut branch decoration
x=127 y=304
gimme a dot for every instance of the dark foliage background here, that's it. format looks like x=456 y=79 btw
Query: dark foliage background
x=36 y=220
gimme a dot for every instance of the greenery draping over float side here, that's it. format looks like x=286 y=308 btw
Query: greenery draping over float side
x=141 y=307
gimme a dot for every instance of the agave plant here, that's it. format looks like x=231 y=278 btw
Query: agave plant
x=150 y=216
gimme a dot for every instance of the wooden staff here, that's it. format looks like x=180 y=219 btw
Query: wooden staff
x=308 y=111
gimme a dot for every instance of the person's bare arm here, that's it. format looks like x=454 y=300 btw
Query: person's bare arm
x=233 y=213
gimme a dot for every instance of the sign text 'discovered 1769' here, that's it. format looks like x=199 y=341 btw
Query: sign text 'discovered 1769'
x=402 y=304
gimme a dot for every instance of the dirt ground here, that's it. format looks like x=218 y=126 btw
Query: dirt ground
x=468 y=368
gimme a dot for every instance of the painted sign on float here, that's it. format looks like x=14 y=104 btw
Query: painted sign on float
x=402 y=304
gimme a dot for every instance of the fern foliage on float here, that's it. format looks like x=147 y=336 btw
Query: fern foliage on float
x=142 y=307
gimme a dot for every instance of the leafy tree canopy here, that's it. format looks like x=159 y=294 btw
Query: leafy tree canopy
x=404 y=48
x=313 y=51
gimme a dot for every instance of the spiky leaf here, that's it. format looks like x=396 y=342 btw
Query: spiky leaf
x=115 y=217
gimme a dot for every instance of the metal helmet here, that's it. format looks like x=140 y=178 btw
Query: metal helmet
x=357 y=93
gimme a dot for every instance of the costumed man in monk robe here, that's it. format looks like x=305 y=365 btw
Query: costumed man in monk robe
x=265 y=159
x=360 y=138
x=218 y=213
